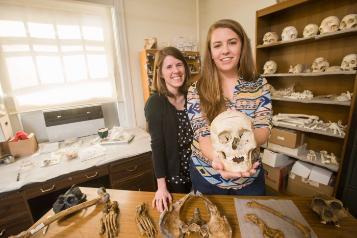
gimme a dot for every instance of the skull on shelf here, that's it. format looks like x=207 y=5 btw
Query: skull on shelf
x=289 y=33
x=349 y=62
x=329 y=24
x=270 y=67
x=233 y=140
x=299 y=68
x=270 y=37
x=320 y=65
x=333 y=68
x=310 y=30
x=349 y=21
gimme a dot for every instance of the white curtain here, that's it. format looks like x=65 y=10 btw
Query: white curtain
x=55 y=54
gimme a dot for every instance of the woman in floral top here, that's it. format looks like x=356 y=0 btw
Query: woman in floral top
x=229 y=82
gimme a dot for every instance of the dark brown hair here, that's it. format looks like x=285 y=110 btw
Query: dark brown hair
x=159 y=84
x=209 y=85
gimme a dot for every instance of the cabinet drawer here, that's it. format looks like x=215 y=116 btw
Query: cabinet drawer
x=14 y=215
x=15 y=225
x=66 y=181
x=131 y=167
x=141 y=182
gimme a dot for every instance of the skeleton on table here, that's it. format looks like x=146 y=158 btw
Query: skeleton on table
x=172 y=226
x=109 y=222
x=329 y=209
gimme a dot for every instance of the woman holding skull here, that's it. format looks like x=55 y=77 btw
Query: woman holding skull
x=169 y=127
x=228 y=82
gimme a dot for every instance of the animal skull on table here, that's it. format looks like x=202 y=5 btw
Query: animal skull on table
x=270 y=67
x=349 y=21
x=270 y=37
x=233 y=140
x=310 y=30
x=349 y=62
x=329 y=24
x=289 y=33
x=320 y=64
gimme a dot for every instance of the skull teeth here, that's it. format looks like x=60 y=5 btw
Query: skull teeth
x=238 y=159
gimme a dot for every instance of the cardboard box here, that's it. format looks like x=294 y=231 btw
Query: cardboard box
x=302 y=169
x=23 y=147
x=286 y=137
x=274 y=159
x=276 y=178
x=303 y=187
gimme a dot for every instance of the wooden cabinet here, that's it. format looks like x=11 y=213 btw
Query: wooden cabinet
x=133 y=174
x=332 y=46
x=147 y=59
x=14 y=214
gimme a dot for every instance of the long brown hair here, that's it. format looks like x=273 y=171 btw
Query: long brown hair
x=159 y=84
x=209 y=85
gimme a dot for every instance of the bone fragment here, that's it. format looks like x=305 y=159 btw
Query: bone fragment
x=304 y=229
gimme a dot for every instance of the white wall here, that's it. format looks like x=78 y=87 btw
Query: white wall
x=164 y=19
x=242 y=11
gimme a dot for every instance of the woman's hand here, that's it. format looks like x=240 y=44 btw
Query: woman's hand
x=162 y=197
x=218 y=165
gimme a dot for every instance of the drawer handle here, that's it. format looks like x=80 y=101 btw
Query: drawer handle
x=2 y=231
x=92 y=176
x=133 y=169
x=49 y=189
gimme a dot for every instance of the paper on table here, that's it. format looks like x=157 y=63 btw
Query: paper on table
x=286 y=207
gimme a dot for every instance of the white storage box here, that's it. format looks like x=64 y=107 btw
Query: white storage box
x=275 y=159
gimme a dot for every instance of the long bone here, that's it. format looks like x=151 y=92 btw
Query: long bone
x=304 y=229
x=267 y=231
x=102 y=198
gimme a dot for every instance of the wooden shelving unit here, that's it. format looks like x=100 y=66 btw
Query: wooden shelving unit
x=147 y=59
x=332 y=46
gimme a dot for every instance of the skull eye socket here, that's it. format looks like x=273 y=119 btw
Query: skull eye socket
x=224 y=137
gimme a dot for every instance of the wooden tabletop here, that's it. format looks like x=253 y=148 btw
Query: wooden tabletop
x=86 y=223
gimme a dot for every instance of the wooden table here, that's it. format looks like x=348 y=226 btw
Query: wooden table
x=86 y=223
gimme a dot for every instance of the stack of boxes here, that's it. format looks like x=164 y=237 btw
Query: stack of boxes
x=284 y=174
x=276 y=165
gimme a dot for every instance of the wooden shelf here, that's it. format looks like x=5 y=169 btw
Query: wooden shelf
x=332 y=35
x=313 y=100
x=320 y=132
x=303 y=156
x=352 y=72
x=333 y=47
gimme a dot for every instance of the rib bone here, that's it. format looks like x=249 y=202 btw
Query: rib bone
x=304 y=229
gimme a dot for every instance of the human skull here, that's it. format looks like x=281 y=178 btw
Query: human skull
x=349 y=21
x=299 y=68
x=334 y=68
x=270 y=67
x=310 y=30
x=233 y=140
x=289 y=33
x=270 y=37
x=320 y=65
x=349 y=62
x=329 y=24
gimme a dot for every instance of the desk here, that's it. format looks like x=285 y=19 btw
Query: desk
x=125 y=166
x=86 y=223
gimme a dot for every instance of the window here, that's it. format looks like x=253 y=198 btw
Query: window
x=55 y=53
